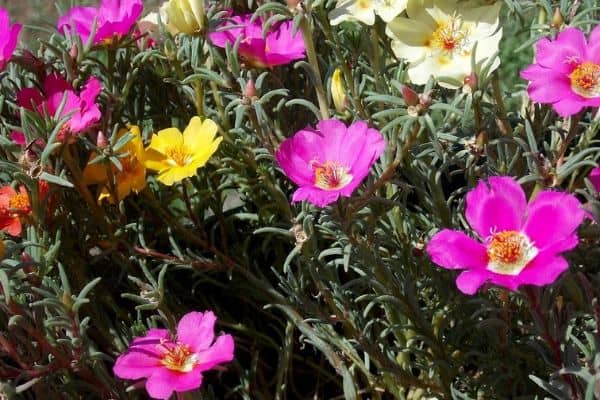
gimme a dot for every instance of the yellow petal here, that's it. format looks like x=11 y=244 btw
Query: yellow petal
x=175 y=174
x=155 y=161
x=198 y=134
x=165 y=139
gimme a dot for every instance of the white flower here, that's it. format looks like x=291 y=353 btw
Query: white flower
x=365 y=10
x=438 y=39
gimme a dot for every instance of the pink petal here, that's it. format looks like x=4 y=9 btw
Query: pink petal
x=567 y=107
x=543 y=270
x=471 y=280
x=552 y=217
x=161 y=384
x=138 y=362
x=455 y=250
x=81 y=18
x=196 y=329
x=570 y=44
x=593 y=50
x=594 y=178
x=498 y=207
x=295 y=155
x=549 y=88
x=318 y=197
x=220 y=352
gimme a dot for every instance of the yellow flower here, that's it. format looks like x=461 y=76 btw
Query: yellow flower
x=131 y=176
x=176 y=156
x=338 y=93
x=185 y=16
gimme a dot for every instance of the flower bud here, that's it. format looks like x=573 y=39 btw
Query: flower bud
x=411 y=98
x=250 y=89
x=338 y=92
x=470 y=83
x=101 y=140
x=557 y=19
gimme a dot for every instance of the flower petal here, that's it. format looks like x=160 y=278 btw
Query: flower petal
x=496 y=205
x=471 y=280
x=552 y=217
x=196 y=330
x=220 y=352
x=543 y=270
x=455 y=250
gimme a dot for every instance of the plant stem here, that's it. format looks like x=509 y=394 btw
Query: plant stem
x=307 y=35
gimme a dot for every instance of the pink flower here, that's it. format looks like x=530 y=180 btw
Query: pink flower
x=330 y=161
x=81 y=107
x=594 y=177
x=8 y=38
x=113 y=18
x=175 y=364
x=278 y=47
x=567 y=72
x=517 y=243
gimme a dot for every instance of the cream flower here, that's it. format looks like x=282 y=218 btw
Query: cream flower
x=438 y=39
x=365 y=10
x=185 y=16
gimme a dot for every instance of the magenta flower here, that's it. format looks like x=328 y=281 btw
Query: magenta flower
x=81 y=107
x=330 y=161
x=567 y=72
x=517 y=243
x=278 y=47
x=8 y=38
x=594 y=177
x=113 y=18
x=175 y=364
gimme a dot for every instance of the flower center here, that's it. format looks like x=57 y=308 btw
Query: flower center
x=585 y=79
x=178 y=357
x=178 y=156
x=330 y=176
x=509 y=252
x=19 y=203
x=449 y=36
x=363 y=4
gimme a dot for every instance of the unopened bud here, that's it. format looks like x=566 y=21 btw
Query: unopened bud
x=557 y=19
x=250 y=89
x=292 y=4
x=73 y=52
x=101 y=140
x=470 y=82
x=338 y=91
x=411 y=98
x=425 y=100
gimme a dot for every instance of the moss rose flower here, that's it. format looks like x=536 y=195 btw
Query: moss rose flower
x=175 y=364
x=330 y=161
x=566 y=72
x=518 y=243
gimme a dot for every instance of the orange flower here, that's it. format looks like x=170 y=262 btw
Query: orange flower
x=13 y=206
x=131 y=176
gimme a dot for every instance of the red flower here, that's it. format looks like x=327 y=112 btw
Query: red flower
x=13 y=206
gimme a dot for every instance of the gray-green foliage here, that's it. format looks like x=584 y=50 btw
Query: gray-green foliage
x=340 y=302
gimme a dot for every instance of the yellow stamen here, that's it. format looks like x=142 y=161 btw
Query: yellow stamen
x=178 y=155
x=585 y=79
x=19 y=203
x=449 y=36
x=509 y=252
x=330 y=176
x=177 y=357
